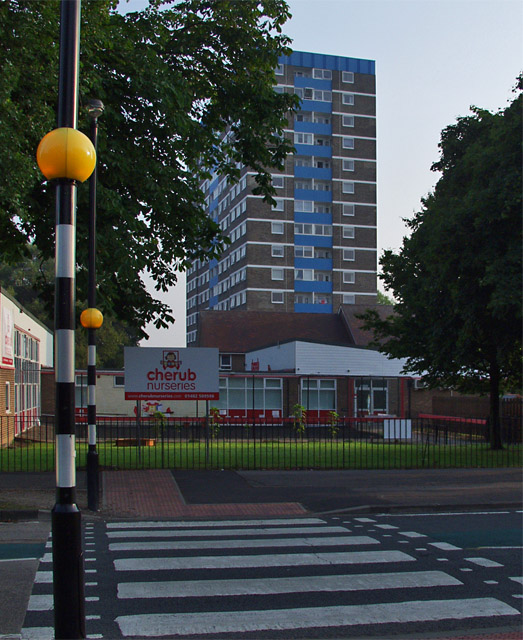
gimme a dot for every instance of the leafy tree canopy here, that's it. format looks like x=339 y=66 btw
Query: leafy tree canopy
x=172 y=77
x=457 y=279
x=25 y=278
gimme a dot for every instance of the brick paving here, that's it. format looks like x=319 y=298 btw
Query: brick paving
x=155 y=494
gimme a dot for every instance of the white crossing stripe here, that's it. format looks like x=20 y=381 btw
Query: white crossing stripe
x=484 y=562
x=188 y=624
x=169 y=524
x=242 y=544
x=44 y=577
x=517 y=579
x=412 y=534
x=211 y=533
x=273 y=560
x=38 y=633
x=270 y=586
x=40 y=603
x=444 y=546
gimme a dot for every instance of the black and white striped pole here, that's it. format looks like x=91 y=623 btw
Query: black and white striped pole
x=67 y=156
x=92 y=319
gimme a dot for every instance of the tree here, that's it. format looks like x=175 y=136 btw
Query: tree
x=384 y=299
x=458 y=277
x=173 y=78
x=27 y=277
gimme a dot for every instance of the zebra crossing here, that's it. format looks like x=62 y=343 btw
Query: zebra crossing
x=272 y=578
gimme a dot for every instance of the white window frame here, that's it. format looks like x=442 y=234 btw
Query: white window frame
x=347 y=143
x=278 y=182
x=304 y=206
x=323 y=74
x=314 y=392
x=348 y=187
x=304 y=275
x=225 y=362
x=349 y=255
x=348 y=232
x=349 y=277
x=347 y=98
x=277 y=297
x=302 y=161
x=280 y=70
x=349 y=209
x=278 y=251
x=348 y=121
x=319 y=95
x=348 y=164
x=7 y=396
x=303 y=116
x=277 y=225
x=277 y=274
x=347 y=77
x=119 y=386
x=280 y=204
x=301 y=137
x=303 y=183
x=349 y=298
x=315 y=229
x=304 y=249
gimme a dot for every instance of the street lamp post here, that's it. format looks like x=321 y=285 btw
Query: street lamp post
x=67 y=156
x=95 y=109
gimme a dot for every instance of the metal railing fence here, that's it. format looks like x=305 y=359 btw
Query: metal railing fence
x=224 y=443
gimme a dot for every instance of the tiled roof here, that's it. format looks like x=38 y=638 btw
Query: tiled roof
x=349 y=312
x=241 y=331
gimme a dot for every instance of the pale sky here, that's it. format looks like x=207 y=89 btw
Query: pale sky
x=434 y=59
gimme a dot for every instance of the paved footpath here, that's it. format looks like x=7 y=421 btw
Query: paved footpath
x=155 y=494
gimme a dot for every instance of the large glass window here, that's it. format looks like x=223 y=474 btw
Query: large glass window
x=318 y=394
x=250 y=392
x=27 y=372
x=372 y=396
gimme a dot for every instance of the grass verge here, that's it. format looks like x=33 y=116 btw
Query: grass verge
x=270 y=455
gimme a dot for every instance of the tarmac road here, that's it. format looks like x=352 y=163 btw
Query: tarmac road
x=324 y=492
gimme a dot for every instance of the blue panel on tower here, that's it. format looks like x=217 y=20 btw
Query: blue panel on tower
x=313 y=127
x=323 y=61
x=312 y=218
x=316 y=105
x=312 y=285
x=313 y=150
x=313 y=172
x=313 y=83
x=312 y=308
x=313 y=241
x=310 y=194
x=324 y=264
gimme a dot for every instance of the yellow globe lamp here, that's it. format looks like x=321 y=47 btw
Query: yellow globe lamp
x=91 y=318
x=66 y=153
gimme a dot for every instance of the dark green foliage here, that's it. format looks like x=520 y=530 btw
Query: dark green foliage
x=27 y=278
x=172 y=78
x=458 y=278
